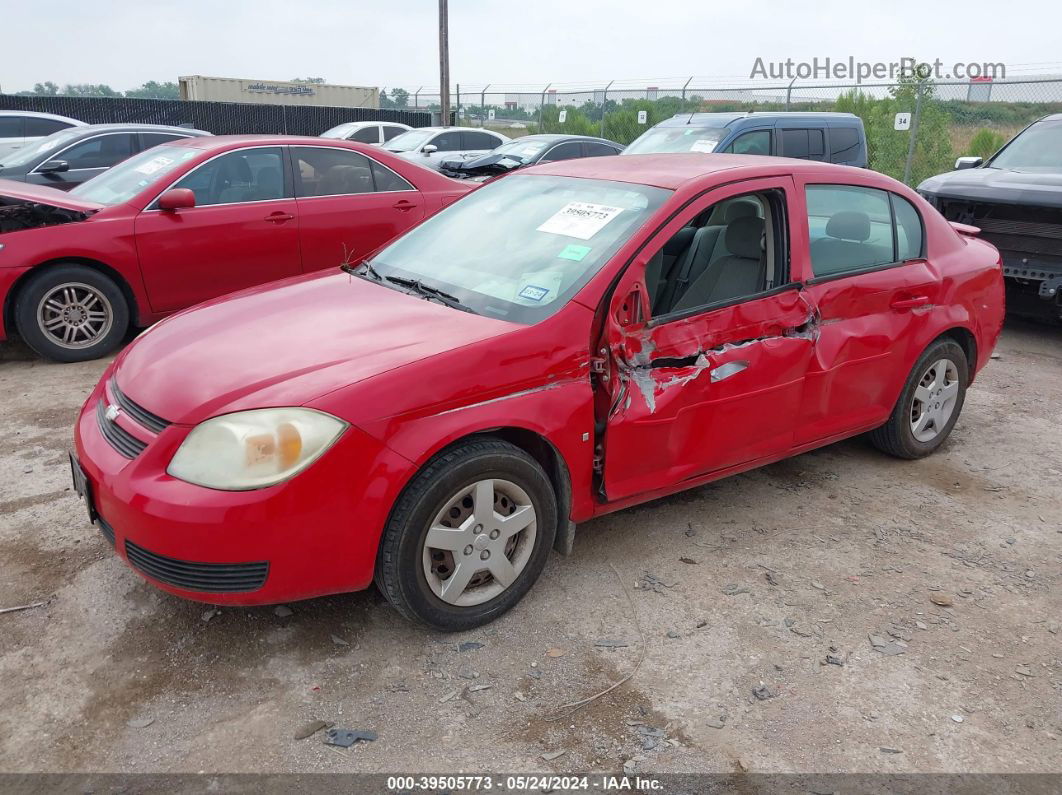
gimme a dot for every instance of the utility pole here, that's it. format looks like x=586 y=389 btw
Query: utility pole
x=444 y=63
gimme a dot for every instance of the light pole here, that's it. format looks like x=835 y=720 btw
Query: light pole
x=444 y=64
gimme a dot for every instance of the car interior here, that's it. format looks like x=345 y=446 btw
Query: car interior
x=728 y=251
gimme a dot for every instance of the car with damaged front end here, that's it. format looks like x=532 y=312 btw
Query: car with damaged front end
x=571 y=340
x=1015 y=200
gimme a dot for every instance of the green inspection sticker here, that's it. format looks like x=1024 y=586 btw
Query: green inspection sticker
x=574 y=252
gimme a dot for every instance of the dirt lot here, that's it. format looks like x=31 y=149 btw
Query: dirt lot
x=742 y=587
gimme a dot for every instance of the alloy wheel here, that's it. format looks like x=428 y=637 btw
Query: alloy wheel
x=74 y=315
x=479 y=542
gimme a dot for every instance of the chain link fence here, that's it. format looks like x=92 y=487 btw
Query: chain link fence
x=947 y=119
x=220 y=118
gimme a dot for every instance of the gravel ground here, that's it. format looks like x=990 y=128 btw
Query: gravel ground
x=932 y=586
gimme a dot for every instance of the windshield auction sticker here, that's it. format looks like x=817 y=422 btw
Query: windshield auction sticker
x=580 y=219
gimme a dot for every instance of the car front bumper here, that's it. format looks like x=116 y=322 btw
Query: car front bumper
x=312 y=535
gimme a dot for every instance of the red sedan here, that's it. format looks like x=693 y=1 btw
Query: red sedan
x=191 y=220
x=570 y=340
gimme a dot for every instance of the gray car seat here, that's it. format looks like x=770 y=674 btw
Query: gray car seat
x=845 y=244
x=740 y=273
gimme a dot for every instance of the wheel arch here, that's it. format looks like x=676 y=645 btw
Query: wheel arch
x=102 y=267
x=967 y=341
x=543 y=451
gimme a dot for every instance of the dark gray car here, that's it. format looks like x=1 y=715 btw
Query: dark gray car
x=69 y=157
x=527 y=151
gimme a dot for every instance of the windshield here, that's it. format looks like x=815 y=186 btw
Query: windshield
x=131 y=176
x=30 y=152
x=1039 y=148
x=519 y=150
x=340 y=131
x=676 y=139
x=408 y=141
x=521 y=247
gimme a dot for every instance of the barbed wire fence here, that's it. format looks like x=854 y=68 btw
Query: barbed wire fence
x=947 y=119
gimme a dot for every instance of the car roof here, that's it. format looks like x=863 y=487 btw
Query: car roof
x=555 y=137
x=91 y=129
x=671 y=171
x=368 y=123
x=725 y=119
x=37 y=115
x=210 y=142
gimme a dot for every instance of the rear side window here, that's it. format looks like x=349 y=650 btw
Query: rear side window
x=808 y=144
x=594 y=149
x=38 y=128
x=148 y=140
x=567 y=151
x=853 y=228
x=480 y=140
x=391 y=131
x=331 y=172
x=844 y=144
x=366 y=135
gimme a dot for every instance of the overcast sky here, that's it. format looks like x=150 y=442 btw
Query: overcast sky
x=378 y=43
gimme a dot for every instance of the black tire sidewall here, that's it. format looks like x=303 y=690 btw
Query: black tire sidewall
x=429 y=497
x=942 y=349
x=41 y=283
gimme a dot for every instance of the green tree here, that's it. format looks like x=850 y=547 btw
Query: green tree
x=985 y=143
x=400 y=98
x=45 y=89
x=385 y=101
x=154 y=90
x=89 y=90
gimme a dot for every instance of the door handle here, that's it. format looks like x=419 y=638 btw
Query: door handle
x=724 y=371
x=403 y=205
x=909 y=303
x=279 y=217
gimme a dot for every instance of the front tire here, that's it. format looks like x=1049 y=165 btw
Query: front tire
x=929 y=405
x=468 y=537
x=71 y=313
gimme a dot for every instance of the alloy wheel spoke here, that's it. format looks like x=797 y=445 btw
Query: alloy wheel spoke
x=950 y=392
x=515 y=522
x=483 y=500
x=923 y=421
x=502 y=569
x=455 y=585
x=447 y=538
x=923 y=394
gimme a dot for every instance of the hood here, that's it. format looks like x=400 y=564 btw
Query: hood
x=22 y=192
x=286 y=344
x=1041 y=189
x=483 y=165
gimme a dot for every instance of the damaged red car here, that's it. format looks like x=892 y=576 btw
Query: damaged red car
x=570 y=340
x=190 y=220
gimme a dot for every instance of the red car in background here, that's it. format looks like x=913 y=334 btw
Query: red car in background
x=570 y=340
x=191 y=220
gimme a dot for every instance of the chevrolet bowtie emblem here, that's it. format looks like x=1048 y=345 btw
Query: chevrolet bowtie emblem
x=112 y=413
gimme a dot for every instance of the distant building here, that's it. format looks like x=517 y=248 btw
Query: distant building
x=277 y=92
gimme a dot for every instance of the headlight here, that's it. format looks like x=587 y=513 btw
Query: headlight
x=254 y=449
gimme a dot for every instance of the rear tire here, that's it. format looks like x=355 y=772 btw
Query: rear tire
x=71 y=313
x=468 y=537
x=929 y=405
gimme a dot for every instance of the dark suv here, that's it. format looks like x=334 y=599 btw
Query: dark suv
x=829 y=137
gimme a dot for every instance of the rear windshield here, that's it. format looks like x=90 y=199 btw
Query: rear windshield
x=128 y=178
x=677 y=139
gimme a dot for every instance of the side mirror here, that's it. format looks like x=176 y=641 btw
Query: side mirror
x=427 y=149
x=53 y=167
x=177 y=199
x=968 y=162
